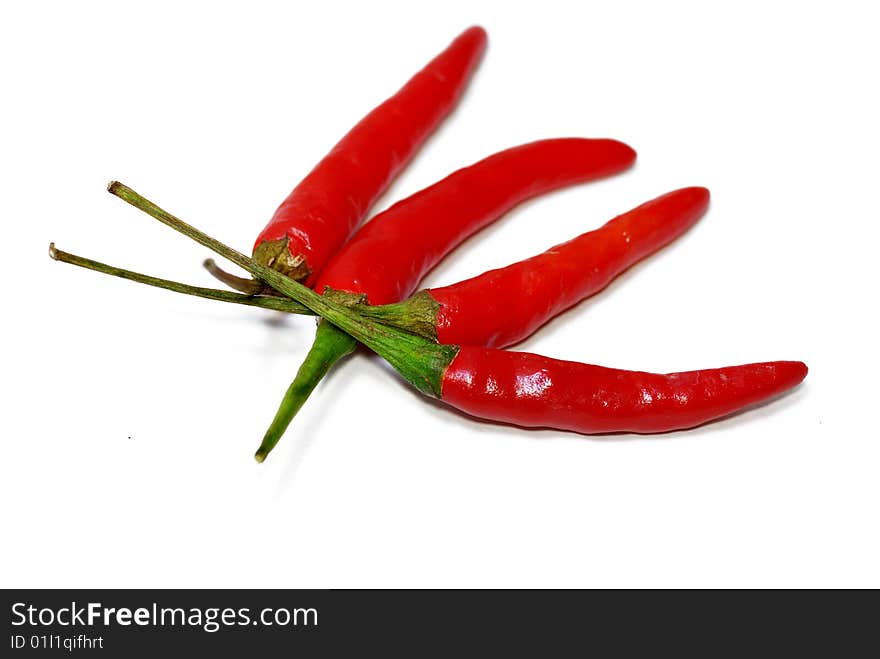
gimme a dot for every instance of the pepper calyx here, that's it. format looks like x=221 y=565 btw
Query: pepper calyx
x=276 y=254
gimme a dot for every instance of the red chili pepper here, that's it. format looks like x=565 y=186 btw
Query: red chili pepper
x=501 y=307
x=390 y=255
x=534 y=391
x=319 y=215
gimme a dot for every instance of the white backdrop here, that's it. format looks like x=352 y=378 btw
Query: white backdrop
x=131 y=414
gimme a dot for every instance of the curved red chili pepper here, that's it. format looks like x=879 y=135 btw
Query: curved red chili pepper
x=391 y=253
x=322 y=211
x=501 y=307
x=534 y=391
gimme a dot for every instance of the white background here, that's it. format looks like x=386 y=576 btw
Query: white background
x=130 y=414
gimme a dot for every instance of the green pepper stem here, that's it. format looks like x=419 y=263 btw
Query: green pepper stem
x=273 y=303
x=330 y=345
x=420 y=361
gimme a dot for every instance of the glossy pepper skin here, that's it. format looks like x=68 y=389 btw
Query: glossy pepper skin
x=321 y=212
x=501 y=307
x=391 y=254
x=530 y=390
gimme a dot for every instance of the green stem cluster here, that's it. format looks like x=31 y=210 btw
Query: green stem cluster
x=420 y=361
